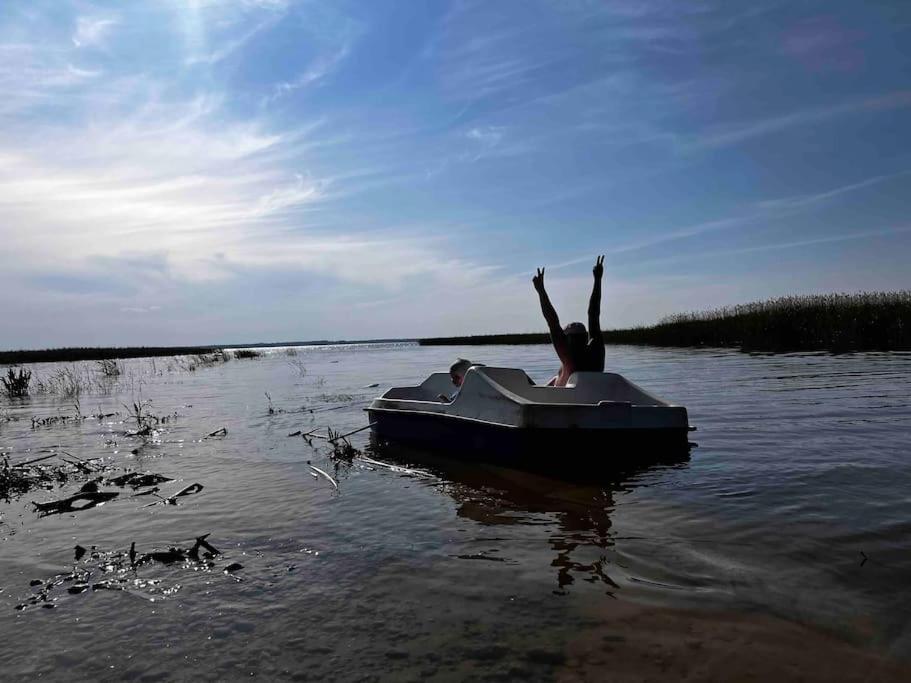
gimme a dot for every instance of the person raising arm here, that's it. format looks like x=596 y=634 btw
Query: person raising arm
x=557 y=335
x=595 y=336
x=577 y=348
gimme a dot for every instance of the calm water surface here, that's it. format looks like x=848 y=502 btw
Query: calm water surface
x=802 y=470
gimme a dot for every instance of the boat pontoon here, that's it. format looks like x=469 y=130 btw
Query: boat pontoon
x=501 y=414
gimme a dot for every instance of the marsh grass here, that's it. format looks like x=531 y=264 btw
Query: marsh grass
x=108 y=367
x=342 y=450
x=199 y=360
x=138 y=410
x=834 y=322
x=68 y=382
x=74 y=354
x=246 y=354
x=16 y=384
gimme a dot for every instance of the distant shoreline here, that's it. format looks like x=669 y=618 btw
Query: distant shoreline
x=868 y=321
x=74 y=354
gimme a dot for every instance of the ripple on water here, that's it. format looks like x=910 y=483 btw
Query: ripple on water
x=431 y=567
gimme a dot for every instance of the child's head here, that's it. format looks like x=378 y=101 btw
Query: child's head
x=458 y=369
x=577 y=340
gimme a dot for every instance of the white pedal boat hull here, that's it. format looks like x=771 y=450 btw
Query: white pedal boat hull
x=500 y=414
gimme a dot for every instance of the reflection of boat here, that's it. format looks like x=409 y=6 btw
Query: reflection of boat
x=501 y=415
x=574 y=516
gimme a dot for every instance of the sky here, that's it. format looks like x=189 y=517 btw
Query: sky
x=202 y=171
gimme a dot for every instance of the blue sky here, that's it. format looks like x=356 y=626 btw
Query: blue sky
x=259 y=170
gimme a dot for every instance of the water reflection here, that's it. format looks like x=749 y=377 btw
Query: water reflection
x=578 y=512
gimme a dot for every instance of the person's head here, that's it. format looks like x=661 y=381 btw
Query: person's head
x=576 y=338
x=458 y=369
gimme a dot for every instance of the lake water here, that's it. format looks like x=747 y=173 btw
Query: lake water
x=802 y=472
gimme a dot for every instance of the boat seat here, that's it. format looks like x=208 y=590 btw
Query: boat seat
x=582 y=388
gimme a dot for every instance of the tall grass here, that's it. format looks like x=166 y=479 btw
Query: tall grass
x=86 y=353
x=109 y=367
x=67 y=382
x=835 y=322
x=16 y=384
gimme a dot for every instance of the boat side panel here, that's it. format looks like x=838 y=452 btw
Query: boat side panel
x=528 y=448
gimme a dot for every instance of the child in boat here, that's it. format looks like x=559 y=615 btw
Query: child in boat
x=457 y=374
x=578 y=349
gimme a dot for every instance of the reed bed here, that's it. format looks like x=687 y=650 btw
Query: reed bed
x=90 y=353
x=15 y=385
x=833 y=322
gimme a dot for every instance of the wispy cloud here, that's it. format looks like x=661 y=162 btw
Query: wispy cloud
x=91 y=31
x=317 y=71
x=822 y=43
x=751 y=214
x=730 y=134
x=710 y=254
x=487 y=143
x=216 y=197
x=664 y=237
x=31 y=75
x=156 y=154
x=229 y=46
x=807 y=200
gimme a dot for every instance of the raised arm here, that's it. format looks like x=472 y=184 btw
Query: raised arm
x=557 y=336
x=594 y=304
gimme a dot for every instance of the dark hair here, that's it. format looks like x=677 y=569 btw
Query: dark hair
x=577 y=344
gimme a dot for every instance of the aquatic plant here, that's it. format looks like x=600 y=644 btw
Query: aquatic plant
x=204 y=360
x=53 y=420
x=94 y=569
x=835 y=322
x=16 y=384
x=342 y=450
x=17 y=479
x=66 y=382
x=298 y=366
x=138 y=410
x=108 y=367
x=14 y=481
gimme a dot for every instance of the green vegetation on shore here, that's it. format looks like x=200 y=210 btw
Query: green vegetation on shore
x=834 y=322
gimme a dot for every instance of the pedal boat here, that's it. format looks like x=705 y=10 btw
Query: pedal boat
x=500 y=414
